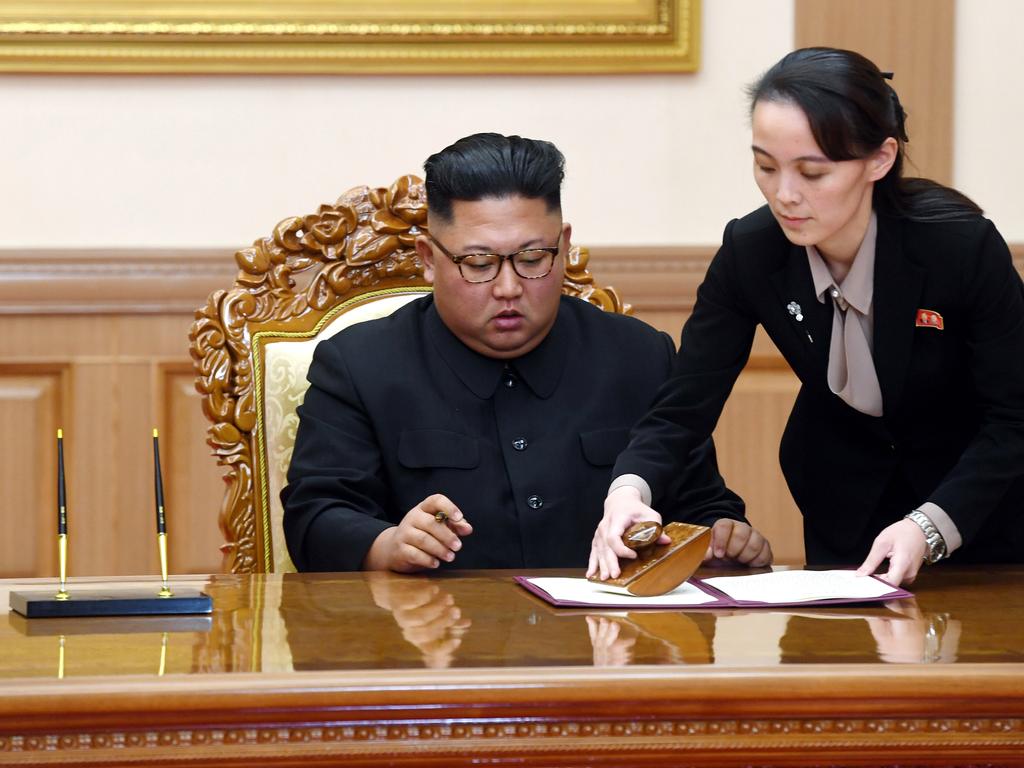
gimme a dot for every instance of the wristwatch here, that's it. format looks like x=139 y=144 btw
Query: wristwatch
x=936 y=544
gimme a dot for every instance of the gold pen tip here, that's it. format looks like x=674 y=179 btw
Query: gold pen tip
x=155 y=433
x=60 y=434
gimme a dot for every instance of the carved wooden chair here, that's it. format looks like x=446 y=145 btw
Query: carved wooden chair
x=252 y=343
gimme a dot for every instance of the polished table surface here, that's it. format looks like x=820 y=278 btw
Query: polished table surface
x=374 y=669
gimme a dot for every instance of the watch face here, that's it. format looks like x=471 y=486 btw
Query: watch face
x=936 y=548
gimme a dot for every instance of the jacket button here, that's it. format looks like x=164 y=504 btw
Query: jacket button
x=535 y=502
x=519 y=444
x=510 y=381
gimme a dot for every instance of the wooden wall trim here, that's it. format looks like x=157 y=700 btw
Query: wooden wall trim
x=176 y=281
x=653 y=278
x=103 y=281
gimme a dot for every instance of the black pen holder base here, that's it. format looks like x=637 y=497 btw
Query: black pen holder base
x=39 y=604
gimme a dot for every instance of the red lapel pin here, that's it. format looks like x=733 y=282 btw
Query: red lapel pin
x=929 y=318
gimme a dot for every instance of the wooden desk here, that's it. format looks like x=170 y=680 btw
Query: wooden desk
x=456 y=670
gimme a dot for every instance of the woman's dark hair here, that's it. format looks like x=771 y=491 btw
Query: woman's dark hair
x=852 y=110
x=491 y=165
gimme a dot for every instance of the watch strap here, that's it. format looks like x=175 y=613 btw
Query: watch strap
x=932 y=536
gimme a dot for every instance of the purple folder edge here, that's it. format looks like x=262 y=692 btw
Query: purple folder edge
x=722 y=600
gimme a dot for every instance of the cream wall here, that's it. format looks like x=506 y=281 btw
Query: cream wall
x=988 y=158
x=216 y=161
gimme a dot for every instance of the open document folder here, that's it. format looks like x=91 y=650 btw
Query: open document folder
x=774 y=589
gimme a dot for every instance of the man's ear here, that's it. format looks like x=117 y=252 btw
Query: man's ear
x=426 y=254
x=883 y=158
x=567 y=235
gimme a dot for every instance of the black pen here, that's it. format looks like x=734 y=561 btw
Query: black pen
x=158 y=487
x=62 y=519
x=161 y=521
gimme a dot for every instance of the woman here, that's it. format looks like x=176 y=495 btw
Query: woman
x=896 y=304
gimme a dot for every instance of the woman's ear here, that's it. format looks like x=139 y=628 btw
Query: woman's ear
x=883 y=158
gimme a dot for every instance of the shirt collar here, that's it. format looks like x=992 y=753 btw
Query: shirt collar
x=857 y=288
x=541 y=368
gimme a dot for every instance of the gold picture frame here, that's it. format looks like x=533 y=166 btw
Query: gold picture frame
x=350 y=36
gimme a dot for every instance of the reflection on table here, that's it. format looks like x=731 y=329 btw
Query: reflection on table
x=371 y=664
x=368 y=621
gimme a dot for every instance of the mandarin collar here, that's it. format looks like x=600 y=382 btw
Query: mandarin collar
x=541 y=368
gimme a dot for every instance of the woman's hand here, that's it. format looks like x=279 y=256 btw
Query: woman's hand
x=613 y=641
x=904 y=545
x=622 y=509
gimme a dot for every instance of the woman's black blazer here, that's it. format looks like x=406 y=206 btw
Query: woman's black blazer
x=953 y=397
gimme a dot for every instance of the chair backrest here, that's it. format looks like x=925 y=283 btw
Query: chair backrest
x=252 y=344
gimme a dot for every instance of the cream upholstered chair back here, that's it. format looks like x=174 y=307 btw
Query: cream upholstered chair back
x=252 y=344
x=282 y=362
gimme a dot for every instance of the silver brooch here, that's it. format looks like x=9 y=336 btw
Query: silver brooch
x=795 y=311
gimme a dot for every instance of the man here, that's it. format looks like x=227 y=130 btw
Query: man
x=477 y=427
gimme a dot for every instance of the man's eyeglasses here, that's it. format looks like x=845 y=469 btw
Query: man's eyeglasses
x=529 y=264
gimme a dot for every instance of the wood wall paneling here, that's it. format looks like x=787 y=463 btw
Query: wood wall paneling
x=914 y=40
x=747 y=439
x=31 y=399
x=114 y=487
x=192 y=479
x=108 y=369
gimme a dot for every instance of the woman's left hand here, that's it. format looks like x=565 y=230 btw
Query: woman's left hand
x=903 y=543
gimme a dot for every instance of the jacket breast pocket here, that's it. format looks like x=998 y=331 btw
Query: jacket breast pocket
x=602 y=446
x=425 y=448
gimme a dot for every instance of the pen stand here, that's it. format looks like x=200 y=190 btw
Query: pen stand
x=110 y=601
x=660 y=568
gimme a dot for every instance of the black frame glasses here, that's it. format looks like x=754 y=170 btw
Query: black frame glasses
x=530 y=260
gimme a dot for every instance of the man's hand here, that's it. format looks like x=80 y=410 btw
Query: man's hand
x=904 y=544
x=426 y=613
x=738 y=542
x=428 y=534
x=622 y=509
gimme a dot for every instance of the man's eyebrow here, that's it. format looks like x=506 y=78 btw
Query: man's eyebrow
x=802 y=158
x=478 y=248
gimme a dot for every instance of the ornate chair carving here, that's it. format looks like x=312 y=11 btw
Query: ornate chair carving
x=252 y=343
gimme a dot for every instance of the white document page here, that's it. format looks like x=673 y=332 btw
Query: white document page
x=800 y=586
x=583 y=591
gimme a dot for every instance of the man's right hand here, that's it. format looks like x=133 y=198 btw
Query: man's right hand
x=622 y=508
x=421 y=541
